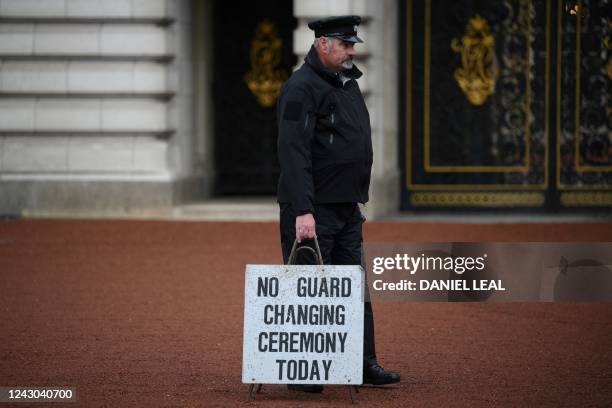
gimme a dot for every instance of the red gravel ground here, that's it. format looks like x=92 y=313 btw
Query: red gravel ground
x=136 y=313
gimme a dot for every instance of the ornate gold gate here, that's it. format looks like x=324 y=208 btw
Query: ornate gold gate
x=493 y=92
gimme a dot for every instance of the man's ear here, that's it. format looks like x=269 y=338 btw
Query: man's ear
x=325 y=44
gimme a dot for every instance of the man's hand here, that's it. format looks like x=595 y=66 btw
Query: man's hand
x=304 y=227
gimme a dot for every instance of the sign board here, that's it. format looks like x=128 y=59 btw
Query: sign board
x=303 y=324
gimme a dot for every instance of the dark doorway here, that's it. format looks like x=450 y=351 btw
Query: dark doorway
x=253 y=55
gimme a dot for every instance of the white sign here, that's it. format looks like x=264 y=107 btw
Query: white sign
x=303 y=324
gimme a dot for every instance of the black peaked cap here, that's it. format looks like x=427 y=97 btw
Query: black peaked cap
x=343 y=27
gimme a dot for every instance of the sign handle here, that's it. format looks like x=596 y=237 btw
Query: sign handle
x=295 y=249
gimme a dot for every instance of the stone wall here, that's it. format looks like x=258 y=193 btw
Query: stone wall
x=95 y=104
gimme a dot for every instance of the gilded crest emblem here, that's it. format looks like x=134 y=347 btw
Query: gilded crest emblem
x=265 y=77
x=478 y=72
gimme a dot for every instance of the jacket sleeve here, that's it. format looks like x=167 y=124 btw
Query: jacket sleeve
x=295 y=135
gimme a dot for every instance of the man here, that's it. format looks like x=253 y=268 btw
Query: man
x=325 y=154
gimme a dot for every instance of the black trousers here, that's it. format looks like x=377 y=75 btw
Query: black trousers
x=339 y=232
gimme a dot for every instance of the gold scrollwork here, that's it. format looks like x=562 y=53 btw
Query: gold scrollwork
x=472 y=199
x=265 y=77
x=573 y=9
x=595 y=199
x=478 y=72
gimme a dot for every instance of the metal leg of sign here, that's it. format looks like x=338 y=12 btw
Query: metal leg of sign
x=258 y=390
x=250 y=397
x=352 y=390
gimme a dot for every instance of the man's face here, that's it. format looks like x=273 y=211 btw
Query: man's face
x=339 y=54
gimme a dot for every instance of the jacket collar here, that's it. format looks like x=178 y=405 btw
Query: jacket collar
x=312 y=59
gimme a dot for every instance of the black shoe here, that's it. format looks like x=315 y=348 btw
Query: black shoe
x=311 y=388
x=376 y=375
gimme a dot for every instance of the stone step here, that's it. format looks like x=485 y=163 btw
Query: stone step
x=230 y=209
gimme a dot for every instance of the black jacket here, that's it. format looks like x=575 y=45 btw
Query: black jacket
x=324 y=138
